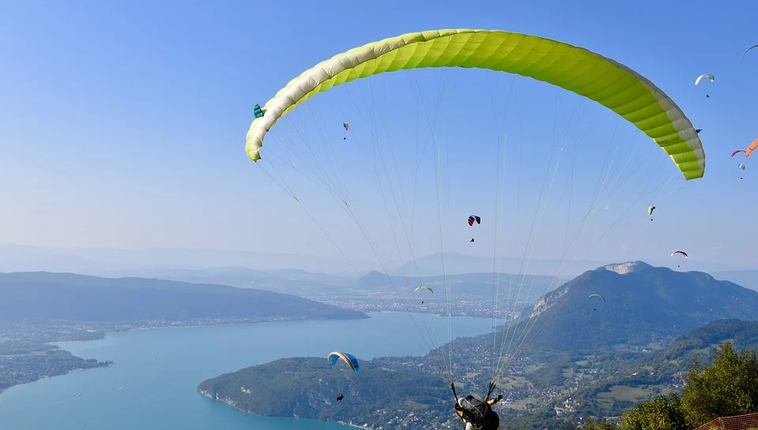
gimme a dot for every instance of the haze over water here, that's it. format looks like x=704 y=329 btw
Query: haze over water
x=153 y=384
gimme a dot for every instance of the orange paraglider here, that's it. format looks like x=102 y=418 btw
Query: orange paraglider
x=751 y=148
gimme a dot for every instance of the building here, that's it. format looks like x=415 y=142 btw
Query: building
x=737 y=422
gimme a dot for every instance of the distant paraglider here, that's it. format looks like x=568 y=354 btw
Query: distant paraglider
x=347 y=127
x=680 y=253
x=424 y=287
x=596 y=295
x=344 y=356
x=471 y=220
x=741 y=165
x=349 y=359
x=650 y=211
x=704 y=75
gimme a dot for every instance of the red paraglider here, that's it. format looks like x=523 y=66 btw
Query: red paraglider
x=680 y=252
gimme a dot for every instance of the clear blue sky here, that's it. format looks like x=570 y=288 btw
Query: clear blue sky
x=123 y=123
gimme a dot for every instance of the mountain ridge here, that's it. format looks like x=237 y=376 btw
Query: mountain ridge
x=46 y=296
x=635 y=296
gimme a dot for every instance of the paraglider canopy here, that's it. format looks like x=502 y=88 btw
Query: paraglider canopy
x=704 y=75
x=424 y=287
x=751 y=148
x=737 y=152
x=596 y=295
x=344 y=356
x=474 y=218
x=680 y=252
x=575 y=69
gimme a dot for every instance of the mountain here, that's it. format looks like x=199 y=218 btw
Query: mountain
x=639 y=305
x=289 y=281
x=659 y=372
x=705 y=340
x=65 y=296
x=475 y=286
x=746 y=278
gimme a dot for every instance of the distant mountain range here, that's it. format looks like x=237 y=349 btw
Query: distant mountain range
x=42 y=296
x=471 y=286
x=143 y=262
x=125 y=262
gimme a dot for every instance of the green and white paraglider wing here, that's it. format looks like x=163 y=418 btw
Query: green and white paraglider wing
x=576 y=69
x=705 y=75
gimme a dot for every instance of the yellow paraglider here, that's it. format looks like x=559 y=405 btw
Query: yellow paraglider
x=576 y=69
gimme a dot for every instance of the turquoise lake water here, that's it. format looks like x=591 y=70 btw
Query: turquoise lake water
x=153 y=384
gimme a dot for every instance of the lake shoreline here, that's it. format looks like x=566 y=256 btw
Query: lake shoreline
x=232 y=404
x=99 y=331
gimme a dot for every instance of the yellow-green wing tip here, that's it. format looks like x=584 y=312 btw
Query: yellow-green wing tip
x=252 y=151
x=254 y=140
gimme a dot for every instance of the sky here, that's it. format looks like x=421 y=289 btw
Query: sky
x=123 y=126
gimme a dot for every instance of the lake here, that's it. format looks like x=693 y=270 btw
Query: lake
x=153 y=384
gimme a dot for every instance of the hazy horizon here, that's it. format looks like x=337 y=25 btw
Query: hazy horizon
x=125 y=127
x=127 y=262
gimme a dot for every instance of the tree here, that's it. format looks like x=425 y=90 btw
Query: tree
x=728 y=387
x=661 y=413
